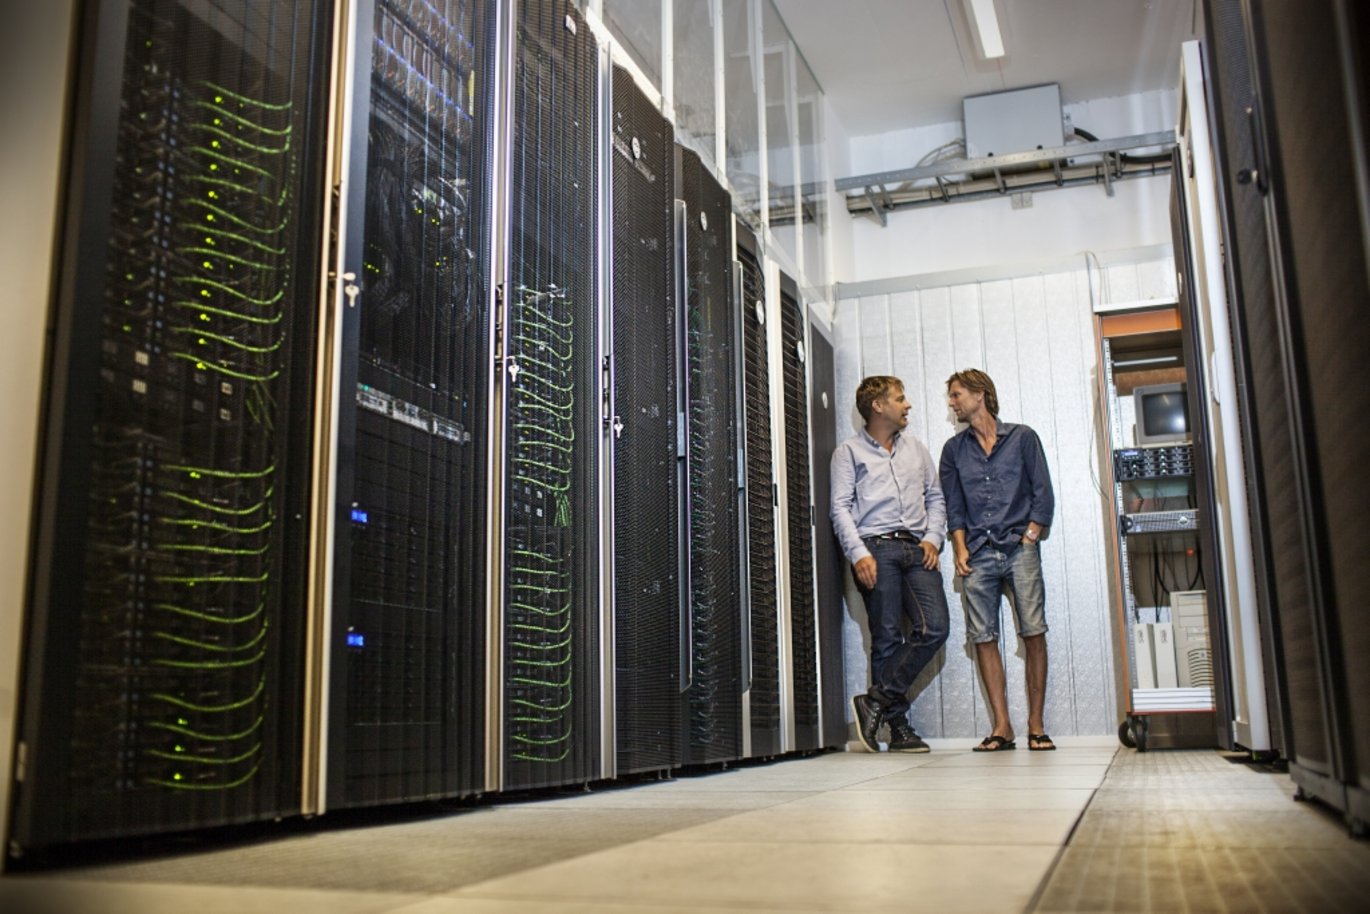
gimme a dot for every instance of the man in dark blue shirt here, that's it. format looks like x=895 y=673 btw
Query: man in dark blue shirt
x=889 y=514
x=999 y=504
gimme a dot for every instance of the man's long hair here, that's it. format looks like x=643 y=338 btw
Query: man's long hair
x=976 y=381
x=872 y=389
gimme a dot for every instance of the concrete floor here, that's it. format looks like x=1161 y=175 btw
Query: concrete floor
x=1087 y=828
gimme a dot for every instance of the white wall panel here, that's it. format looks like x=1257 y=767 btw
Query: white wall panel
x=1035 y=336
x=875 y=335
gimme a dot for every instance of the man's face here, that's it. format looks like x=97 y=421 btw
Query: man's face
x=895 y=407
x=964 y=403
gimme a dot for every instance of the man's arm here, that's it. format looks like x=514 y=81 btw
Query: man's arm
x=934 y=502
x=954 y=497
x=960 y=552
x=1039 y=479
x=956 y=507
x=842 y=500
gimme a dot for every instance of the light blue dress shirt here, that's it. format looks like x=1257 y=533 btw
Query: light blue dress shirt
x=877 y=491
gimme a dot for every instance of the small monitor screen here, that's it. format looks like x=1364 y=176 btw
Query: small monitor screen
x=1164 y=414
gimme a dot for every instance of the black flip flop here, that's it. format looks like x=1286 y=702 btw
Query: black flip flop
x=1035 y=743
x=995 y=744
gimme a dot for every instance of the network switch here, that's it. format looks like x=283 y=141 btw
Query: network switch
x=1159 y=521
x=1154 y=462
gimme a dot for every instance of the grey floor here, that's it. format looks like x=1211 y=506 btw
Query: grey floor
x=1086 y=828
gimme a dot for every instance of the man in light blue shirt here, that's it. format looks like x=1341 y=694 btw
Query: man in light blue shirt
x=891 y=519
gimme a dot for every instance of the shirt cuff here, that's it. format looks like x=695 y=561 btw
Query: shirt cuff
x=859 y=553
x=936 y=539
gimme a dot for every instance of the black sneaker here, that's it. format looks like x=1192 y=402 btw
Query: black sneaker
x=868 y=720
x=904 y=739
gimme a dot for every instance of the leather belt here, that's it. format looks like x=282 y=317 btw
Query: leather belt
x=898 y=535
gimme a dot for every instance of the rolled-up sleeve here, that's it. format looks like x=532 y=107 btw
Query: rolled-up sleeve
x=843 y=500
x=950 y=485
x=1039 y=478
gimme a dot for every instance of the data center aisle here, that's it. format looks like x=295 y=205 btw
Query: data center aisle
x=951 y=831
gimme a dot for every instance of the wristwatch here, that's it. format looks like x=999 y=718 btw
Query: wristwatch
x=1032 y=537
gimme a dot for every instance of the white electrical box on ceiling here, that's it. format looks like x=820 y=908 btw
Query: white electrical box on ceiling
x=1022 y=120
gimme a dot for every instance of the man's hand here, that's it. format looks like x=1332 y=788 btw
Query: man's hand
x=865 y=572
x=962 y=560
x=929 y=555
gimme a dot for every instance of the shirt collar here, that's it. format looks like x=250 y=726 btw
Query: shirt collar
x=873 y=443
x=1001 y=428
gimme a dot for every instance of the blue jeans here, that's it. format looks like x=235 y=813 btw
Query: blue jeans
x=993 y=569
x=903 y=589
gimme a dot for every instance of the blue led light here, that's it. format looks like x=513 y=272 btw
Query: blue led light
x=356 y=639
x=359 y=515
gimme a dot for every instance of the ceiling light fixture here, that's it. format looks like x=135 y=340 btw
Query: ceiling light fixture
x=987 y=26
x=1156 y=360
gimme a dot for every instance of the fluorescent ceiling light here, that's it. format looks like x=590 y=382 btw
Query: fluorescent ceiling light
x=987 y=25
x=1158 y=360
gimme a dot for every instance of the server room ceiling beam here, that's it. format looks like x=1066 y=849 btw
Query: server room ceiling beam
x=880 y=192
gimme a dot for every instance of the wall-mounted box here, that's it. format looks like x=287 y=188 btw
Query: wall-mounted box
x=1018 y=121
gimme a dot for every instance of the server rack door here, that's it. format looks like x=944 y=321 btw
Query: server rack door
x=713 y=697
x=798 y=492
x=760 y=554
x=552 y=401
x=644 y=422
x=1312 y=99
x=827 y=557
x=164 y=671
x=408 y=633
x=1277 y=547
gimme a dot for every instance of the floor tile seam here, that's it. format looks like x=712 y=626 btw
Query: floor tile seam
x=1059 y=856
x=941 y=841
x=695 y=904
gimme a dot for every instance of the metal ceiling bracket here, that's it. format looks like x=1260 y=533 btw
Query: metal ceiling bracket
x=877 y=207
x=942 y=186
x=999 y=179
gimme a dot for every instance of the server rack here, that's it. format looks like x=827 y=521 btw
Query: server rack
x=407 y=641
x=828 y=559
x=163 y=676
x=1262 y=395
x=808 y=723
x=644 y=420
x=716 y=618
x=551 y=586
x=1305 y=174
x=765 y=724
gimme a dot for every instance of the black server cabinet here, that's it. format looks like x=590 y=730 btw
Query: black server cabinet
x=552 y=405
x=762 y=584
x=1277 y=545
x=163 y=686
x=808 y=725
x=716 y=617
x=828 y=558
x=1308 y=164
x=645 y=421
x=407 y=689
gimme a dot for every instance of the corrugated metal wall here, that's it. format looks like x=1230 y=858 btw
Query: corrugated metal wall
x=1034 y=335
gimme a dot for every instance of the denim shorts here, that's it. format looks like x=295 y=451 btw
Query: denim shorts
x=1020 y=573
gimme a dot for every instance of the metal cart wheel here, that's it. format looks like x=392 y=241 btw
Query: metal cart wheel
x=1139 y=728
x=1125 y=735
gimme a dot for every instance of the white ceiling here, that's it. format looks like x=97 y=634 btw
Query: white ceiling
x=891 y=64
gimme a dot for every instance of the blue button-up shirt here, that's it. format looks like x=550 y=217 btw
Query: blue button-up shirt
x=994 y=496
x=878 y=491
